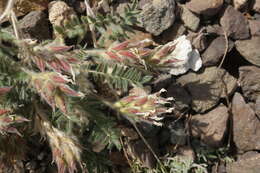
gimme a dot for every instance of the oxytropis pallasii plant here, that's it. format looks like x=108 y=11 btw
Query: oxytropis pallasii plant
x=76 y=98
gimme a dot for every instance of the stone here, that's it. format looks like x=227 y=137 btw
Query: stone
x=257 y=106
x=190 y=20
x=254 y=27
x=235 y=24
x=206 y=8
x=247 y=163
x=249 y=49
x=211 y=127
x=178 y=135
x=215 y=30
x=157 y=16
x=59 y=13
x=35 y=26
x=22 y=7
x=79 y=7
x=182 y=99
x=138 y=150
x=186 y=152
x=215 y=52
x=246 y=125
x=206 y=87
x=239 y=4
x=249 y=80
x=172 y=33
x=162 y=81
x=256 y=6
x=184 y=57
x=198 y=40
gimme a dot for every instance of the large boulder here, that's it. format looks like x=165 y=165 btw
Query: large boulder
x=249 y=49
x=235 y=24
x=246 y=125
x=211 y=127
x=207 y=87
x=157 y=16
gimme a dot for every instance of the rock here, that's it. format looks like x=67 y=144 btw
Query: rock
x=247 y=163
x=257 y=106
x=186 y=152
x=215 y=52
x=129 y=133
x=158 y=16
x=23 y=7
x=249 y=49
x=178 y=135
x=249 y=80
x=254 y=27
x=79 y=7
x=235 y=24
x=175 y=31
x=246 y=126
x=239 y=4
x=162 y=81
x=59 y=13
x=206 y=87
x=182 y=99
x=189 y=19
x=256 y=6
x=35 y=26
x=207 y=8
x=211 y=127
x=198 y=40
x=138 y=150
x=215 y=30
x=184 y=57
x=118 y=158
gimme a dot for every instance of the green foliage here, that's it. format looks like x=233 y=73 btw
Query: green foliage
x=111 y=26
x=118 y=76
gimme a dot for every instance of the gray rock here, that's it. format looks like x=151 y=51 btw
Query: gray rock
x=215 y=52
x=256 y=6
x=35 y=26
x=246 y=126
x=247 y=163
x=207 y=8
x=254 y=27
x=206 y=88
x=249 y=49
x=211 y=127
x=157 y=16
x=189 y=19
x=249 y=80
x=182 y=99
x=235 y=24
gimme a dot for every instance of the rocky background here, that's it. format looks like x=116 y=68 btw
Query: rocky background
x=217 y=109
